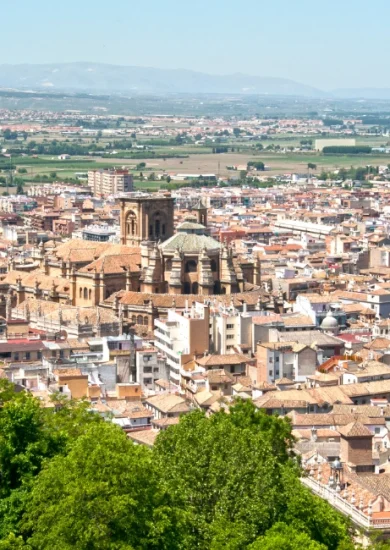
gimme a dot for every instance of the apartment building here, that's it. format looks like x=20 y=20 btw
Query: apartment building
x=181 y=336
x=277 y=360
x=107 y=182
x=150 y=367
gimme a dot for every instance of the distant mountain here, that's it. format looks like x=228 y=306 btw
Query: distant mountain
x=99 y=77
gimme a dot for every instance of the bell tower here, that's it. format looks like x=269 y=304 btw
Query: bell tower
x=146 y=218
x=201 y=212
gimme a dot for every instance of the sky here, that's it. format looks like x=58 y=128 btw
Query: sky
x=329 y=44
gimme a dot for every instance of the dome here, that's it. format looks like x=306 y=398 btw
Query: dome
x=330 y=322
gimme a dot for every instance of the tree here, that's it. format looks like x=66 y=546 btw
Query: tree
x=103 y=495
x=9 y=135
x=226 y=506
x=22 y=171
x=283 y=537
x=53 y=175
x=12 y=542
x=236 y=132
x=311 y=166
x=169 y=179
x=257 y=165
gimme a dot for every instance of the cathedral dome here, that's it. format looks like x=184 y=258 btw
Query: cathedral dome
x=190 y=239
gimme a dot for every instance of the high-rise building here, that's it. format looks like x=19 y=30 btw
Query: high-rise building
x=107 y=182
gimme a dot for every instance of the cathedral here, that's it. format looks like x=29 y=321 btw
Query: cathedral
x=186 y=262
x=154 y=268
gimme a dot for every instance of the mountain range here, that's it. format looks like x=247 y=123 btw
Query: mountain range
x=105 y=78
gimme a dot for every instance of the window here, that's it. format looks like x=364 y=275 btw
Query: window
x=270 y=372
x=148 y=370
x=271 y=360
x=229 y=326
x=230 y=336
x=191 y=266
x=377 y=430
x=148 y=381
x=16 y=356
x=28 y=355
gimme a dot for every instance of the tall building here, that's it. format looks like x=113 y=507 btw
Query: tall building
x=181 y=336
x=107 y=182
x=146 y=218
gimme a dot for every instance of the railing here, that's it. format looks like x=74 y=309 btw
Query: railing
x=347 y=508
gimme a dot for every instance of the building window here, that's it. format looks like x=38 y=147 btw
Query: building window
x=191 y=266
x=270 y=372
x=229 y=326
x=230 y=336
x=28 y=355
x=377 y=431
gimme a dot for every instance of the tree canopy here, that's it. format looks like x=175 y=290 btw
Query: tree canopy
x=228 y=481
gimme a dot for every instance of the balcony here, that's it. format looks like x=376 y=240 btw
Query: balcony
x=358 y=517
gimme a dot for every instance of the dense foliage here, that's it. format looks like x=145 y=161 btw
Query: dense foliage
x=346 y=150
x=69 y=480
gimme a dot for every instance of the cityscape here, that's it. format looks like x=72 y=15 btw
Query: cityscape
x=194 y=285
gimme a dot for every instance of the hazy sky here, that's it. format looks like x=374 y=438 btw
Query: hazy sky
x=333 y=43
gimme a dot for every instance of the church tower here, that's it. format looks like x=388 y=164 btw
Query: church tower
x=146 y=218
x=201 y=212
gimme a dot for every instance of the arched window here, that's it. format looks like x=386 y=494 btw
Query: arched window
x=90 y=294
x=131 y=223
x=146 y=321
x=157 y=225
x=85 y=294
x=133 y=319
x=81 y=293
x=213 y=265
x=168 y=264
x=139 y=320
x=195 y=287
x=191 y=266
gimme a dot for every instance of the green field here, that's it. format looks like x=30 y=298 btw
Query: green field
x=39 y=169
